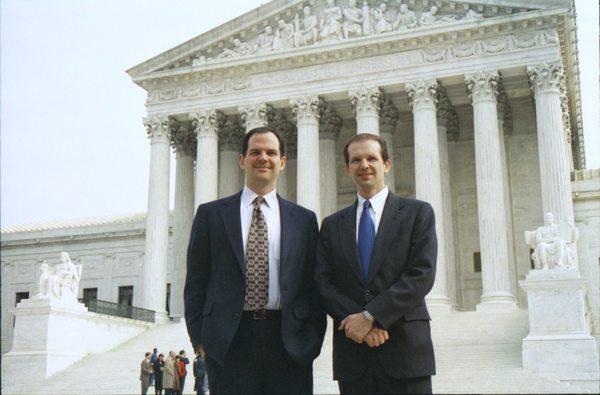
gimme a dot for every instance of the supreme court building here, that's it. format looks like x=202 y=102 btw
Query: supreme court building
x=478 y=101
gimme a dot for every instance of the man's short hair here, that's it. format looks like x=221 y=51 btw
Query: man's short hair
x=147 y=354
x=155 y=350
x=259 y=130
x=366 y=137
x=181 y=352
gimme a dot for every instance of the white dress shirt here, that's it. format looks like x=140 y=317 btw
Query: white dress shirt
x=270 y=210
x=376 y=209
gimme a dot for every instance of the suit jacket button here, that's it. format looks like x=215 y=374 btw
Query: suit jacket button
x=367 y=293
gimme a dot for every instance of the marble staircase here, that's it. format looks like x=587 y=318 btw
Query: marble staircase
x=476 y=352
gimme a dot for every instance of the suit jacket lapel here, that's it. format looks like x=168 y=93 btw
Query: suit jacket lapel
x=348 y=240
x=230 y=215
x=388 y=227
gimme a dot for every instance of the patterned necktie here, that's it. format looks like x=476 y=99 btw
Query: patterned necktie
x=366 y=238
x=257 y=259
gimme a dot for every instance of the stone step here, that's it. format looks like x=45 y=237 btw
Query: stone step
x=475 y=353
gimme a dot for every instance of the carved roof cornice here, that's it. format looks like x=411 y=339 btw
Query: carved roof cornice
x=394 y=41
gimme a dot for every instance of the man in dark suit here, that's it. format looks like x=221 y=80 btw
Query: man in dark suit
x=375 y=264
x=251 y=302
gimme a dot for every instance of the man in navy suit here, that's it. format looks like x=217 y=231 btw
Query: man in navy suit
x=375 y=264
x=251 y=303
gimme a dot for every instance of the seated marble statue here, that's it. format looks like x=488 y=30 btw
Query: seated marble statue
x=552 y=244
x=61 y=281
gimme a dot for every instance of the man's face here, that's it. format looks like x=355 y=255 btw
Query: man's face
x=434 y=10
x=366 y=166
x=262 y=161
x=403 y=8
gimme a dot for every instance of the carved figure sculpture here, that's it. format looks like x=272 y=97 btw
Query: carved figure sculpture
x=284 y=36
x=264 y=43
x=60 y=281
x=239 y=49
x=552 y=244
x=331 y=23
x=383 y=22
x=472 y=15
x=68 y=277
x=353 y=20
x=307 y=31
x=432 y=17
x=405 y=19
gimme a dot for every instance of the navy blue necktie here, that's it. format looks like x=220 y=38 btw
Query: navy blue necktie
x=366 y=238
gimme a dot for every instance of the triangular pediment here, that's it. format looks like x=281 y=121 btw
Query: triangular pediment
x=286 y=26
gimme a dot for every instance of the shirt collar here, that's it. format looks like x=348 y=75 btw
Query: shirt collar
x=248 y=196
x=377 y=201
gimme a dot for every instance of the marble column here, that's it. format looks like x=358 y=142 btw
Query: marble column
x=184 y=142
x=491 y=193
x=428 y=183
x=445 y=117
x=388 y=118
x=292 y=164
x=504 y=128
x=206 y=124
x=330 y=125
x=307 y=110
x=288 y=132
x=366 y=103
x=255 y=115
x=231 y=177
x=153 y=280
x=546 y=81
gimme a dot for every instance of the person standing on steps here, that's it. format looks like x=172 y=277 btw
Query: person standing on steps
x=375 y=264
x=251 y=303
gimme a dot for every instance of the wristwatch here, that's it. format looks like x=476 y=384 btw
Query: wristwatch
x=368 y=315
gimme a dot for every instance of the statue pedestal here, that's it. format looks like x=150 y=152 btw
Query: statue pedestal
x=559 y=343
x=47 y=338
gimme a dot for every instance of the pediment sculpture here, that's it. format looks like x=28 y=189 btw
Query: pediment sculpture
x=61 y=281
x=553 y=244
x=333 y=22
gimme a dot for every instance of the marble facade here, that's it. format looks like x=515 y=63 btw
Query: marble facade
x=479 y=103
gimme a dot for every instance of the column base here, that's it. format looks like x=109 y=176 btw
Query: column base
x=161 y=317
x=439 y=303
x=497 y=302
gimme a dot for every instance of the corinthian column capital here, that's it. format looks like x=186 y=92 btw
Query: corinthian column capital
x=158 y=127
x=366 y=99
x=207 y=121
x=307 y=107
x=255 y=115
x=482 y=85
x=183 y=139
x=388 y=116
x=231 y=134
x=422 y=93
x=546 y=77
x=330 y=124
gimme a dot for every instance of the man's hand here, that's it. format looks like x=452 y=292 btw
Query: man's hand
x=356 y=327
x=376 y=337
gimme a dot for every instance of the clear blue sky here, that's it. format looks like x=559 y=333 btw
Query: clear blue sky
x=72 y=140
